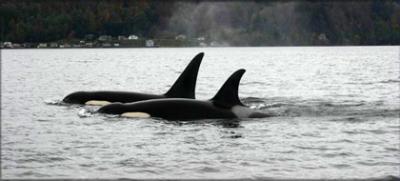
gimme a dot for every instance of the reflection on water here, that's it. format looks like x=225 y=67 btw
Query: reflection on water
x=336 y=114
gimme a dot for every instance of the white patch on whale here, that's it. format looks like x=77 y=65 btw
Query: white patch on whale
x=97 y=103
x=241 y=111
x=135 y=115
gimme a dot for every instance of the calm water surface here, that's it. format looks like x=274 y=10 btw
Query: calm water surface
x=337 y=114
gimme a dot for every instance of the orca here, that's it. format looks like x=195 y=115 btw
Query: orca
x=184 y=87
x=225 y=104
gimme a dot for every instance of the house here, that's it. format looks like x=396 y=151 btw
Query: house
x=214 y=44
x=133 y=37
x=65 y=45
x=7 y=44
x=120 y=37
x=53 y=45
x=202 y=44
x=201 y=38
x=16 y=45
x=89 y=44
x=149 y=43
x=180 y=37
x=42 y=45
x=89 y=37
x=218 y=44
x=323 y=39
x=27 y=45
x=105 y=38
x=106 y=45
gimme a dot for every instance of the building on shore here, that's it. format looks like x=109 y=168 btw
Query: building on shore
x=149 y=43
x=42 y=45
x=53 y=45
x=7 y=44
x=133 y=37
x=105 y=38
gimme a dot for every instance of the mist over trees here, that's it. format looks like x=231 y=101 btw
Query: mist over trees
x=235 y=23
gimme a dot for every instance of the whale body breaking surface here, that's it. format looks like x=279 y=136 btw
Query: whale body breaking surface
x=184 y=87
x=225 y=104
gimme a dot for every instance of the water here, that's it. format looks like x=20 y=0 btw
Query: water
x=337 y=114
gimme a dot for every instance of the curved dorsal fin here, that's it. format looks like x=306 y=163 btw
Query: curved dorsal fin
x=227 y=96
x=185 y=85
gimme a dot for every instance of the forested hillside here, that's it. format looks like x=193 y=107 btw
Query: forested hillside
x=235 y=23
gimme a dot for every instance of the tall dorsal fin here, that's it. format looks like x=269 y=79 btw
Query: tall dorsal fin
x=227 y=96
x=185 y=85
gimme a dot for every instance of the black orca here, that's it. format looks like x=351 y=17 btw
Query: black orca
x=225 y=104
x=184 y=87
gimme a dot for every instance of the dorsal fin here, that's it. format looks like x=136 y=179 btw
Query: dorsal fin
x=227 y=96
x=185 y=85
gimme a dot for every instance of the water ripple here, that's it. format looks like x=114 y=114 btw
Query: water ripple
x=341 y=166
x=338 y=154
x=374 y=163
x=321 y=148
x=323 y=128
x=30 y=174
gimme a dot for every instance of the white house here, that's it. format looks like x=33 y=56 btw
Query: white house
x=104 y=38
x=42 y=45
x=120 y=37
x=149 y=43
x=201 y=38
x=133 y=37
x=180 y=37
x=8 y=44
x=53 y=45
